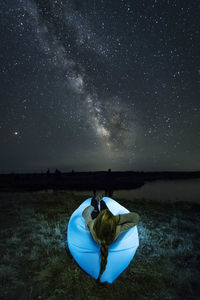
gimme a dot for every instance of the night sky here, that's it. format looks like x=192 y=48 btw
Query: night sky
x=96 y=84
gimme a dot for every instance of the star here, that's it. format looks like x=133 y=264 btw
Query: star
x=101 y=83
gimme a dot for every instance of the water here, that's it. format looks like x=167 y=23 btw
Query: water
x=165 y=190
x=160 y=190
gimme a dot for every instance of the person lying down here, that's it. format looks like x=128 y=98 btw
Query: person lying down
x=104 y=227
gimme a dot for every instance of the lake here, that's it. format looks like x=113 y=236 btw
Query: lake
x=161 y=190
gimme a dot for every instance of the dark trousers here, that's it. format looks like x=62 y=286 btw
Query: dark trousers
x=96 y=211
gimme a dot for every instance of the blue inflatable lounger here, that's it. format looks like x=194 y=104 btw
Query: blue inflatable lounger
x=86 y=251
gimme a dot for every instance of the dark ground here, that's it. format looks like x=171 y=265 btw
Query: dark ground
x=34 y=263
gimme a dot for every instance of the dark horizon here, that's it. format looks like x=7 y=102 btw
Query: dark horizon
x=100 y=180
x=56 y=170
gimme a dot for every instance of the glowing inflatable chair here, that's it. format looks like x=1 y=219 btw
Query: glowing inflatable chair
x=86 y=251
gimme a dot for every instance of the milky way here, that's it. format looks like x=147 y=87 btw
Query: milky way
x=92 y=85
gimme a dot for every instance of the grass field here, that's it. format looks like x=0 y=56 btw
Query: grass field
x=35 y=265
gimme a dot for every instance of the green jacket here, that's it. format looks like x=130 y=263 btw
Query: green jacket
x=126 y=221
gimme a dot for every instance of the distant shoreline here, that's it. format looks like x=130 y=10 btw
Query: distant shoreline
x=99 y=180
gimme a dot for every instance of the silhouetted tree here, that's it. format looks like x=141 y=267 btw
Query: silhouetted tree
x=57 y=171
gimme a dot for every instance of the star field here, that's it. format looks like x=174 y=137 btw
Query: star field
x=92 y=85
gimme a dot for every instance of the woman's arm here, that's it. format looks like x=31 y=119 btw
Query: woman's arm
x=127 y=221
x=87 y=214
x=89 y=221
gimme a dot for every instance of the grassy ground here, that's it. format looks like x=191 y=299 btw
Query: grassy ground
x=34 y=263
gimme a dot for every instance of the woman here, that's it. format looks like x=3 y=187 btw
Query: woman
x=105 y=227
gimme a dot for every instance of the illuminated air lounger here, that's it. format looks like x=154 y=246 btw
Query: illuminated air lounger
x=86 y=251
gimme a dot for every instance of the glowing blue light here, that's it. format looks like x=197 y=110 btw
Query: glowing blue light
x=86 y=251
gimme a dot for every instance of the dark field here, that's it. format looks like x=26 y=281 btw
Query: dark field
x=35 y=265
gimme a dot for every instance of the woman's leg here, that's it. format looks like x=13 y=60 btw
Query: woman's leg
x=103 y=205
x=95 y=212
x=94 y=203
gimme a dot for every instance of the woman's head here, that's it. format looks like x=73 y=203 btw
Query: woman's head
x=105 y=229
x=105 y=226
